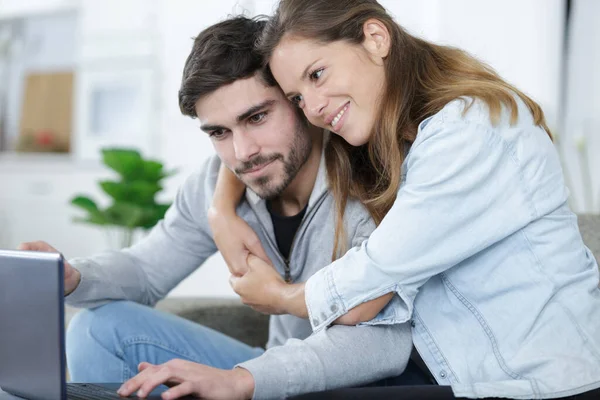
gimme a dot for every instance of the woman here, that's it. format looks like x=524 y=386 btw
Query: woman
x=475 y=246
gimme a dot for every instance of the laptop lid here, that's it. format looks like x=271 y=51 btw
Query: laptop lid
x=32 y=356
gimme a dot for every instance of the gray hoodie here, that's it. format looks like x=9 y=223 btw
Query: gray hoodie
x=295 y=362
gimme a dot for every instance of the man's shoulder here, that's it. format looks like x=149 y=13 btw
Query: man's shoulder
x=199 y=187
x=202 y=180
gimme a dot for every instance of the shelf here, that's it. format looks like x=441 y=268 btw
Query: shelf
x=17 y=9
x=47 y=162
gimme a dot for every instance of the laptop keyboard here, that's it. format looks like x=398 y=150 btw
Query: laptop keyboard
x=86 y=391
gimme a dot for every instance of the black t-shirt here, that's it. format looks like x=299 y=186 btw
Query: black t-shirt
x=285 y=229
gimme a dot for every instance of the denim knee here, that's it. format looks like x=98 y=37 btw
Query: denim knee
x=94 y=343
x=93 y=328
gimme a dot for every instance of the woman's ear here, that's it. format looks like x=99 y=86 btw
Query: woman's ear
x=377 y=39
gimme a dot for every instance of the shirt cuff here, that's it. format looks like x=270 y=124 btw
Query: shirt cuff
x=80 y=295
x=350 y=281
x=268 y=384
x=275 y=377
x=323 y=303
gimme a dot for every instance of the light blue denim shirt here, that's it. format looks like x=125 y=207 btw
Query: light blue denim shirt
x=486 y=258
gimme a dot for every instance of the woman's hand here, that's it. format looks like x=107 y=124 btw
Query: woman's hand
x=261 y=287
x=233 y=236
x=264 y=289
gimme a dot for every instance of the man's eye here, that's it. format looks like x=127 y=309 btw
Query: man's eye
x=258 y=117
x=315 y=75
x=218 y=134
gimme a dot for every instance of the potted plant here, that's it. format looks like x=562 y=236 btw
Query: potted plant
x=133 y=207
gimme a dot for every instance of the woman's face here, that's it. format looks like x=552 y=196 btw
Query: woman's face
x=338 y=85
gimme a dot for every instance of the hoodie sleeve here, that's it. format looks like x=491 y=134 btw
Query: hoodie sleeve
x=147 y=271
x=339 y=356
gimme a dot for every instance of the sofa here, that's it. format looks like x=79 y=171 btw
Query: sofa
x=233 y=318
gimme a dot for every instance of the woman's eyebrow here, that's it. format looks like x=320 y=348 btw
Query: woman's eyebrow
x=304 y=75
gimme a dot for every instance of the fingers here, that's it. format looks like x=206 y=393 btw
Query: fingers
x=143 y=365
x=254 y=245
x=234 y=282
x=238 y=266
x=164 y=374
x=142 y=382
x=181 y=390
x=237 y=284
x=36 y=246
x=256 y=262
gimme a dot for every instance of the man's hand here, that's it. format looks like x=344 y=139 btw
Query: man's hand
x=72 y=275
x=189 y=378
x=261 y=287
x=233 y=236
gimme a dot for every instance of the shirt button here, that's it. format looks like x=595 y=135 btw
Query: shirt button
x=443 y=374
x=412 y=323
x=315 y=322
x=334 y=308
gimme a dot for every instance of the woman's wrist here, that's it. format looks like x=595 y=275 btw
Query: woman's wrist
x=244 y=382
x=292 y=300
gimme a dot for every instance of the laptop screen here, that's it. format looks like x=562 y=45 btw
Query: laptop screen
x=32 y=324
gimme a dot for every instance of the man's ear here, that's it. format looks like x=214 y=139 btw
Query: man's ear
x=377 y=39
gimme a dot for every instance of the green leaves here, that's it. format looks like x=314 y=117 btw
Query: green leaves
x=95 y=216
x=130 y=165
x=139 y=192
x=85 y=202
x=127 y=163
x=133 y=194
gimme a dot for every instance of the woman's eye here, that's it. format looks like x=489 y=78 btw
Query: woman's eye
x=296 y=99
x=315 y=75
x=258 y=117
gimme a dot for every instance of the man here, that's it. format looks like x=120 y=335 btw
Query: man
x=260 y=136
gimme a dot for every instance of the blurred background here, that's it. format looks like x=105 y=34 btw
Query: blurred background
x=78 y=76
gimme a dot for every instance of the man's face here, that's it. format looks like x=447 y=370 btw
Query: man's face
x=256 y=133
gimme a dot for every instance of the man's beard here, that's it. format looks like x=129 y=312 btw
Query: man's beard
x=299 y=153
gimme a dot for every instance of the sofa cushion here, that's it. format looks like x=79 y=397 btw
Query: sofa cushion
x=228 y=316
x=589 y=225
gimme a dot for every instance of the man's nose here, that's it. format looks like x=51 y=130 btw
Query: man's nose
x=245 y=146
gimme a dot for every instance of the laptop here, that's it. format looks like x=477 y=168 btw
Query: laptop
x=32 y=332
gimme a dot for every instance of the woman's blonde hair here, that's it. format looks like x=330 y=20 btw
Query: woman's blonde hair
x=421 y=78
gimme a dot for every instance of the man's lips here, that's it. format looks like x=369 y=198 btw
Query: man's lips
x=257 y=168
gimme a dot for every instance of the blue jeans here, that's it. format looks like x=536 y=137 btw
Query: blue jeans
x=106 y=344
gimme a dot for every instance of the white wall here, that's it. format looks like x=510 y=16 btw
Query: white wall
x=183 y=145
x=580 y=132
x=520 y=39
